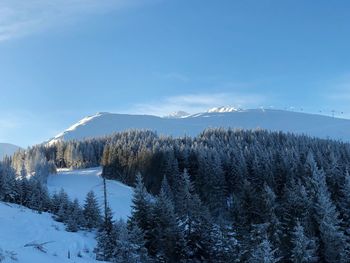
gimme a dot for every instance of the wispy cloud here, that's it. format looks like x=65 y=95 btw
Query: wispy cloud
x=22 y=17
x=194 y=103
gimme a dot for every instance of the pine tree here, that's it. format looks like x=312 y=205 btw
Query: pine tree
x=60 y=155
x=224 y=245
x=197 y=231
x=335 y=246
x=166 y=231
x=183 y=197
x=304 y=249
x=39 y=198
x=106 y=238
x=61 y=205
x=141 y=210
x=264 y=253
x=344 y=204
x=91 y=211
x=76 y=218
x=130 y=245
x=138 y=245
x=7 y=182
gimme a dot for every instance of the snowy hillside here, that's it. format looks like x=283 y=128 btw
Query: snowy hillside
x=20 y=227
x=77 y=183
x=7 y=149
x=275 y=120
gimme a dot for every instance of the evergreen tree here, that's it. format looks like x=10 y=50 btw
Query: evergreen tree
x=264 y=253
x=106 y=238
x=39 y=198
x=7 y=181
x=198 y=232
x=130 y=245
x=137 y=243
x=166 y=232
x=91 y=211
x=335 y=247
x=76 y=218
x=224 y=245
x=344 y=204
x=141 y=204
x=141 y=211
x=304 y=249
x=63 y=203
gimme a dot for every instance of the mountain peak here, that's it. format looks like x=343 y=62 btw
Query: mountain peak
x=178 y=114
x=102 y=113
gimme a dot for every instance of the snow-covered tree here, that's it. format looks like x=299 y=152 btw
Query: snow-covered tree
x=130 y=245
x=335 y=246
x=304 y=249
x=168 y=240
x=76 y=217
x=141 y=207
x=264 y=253
x=106 y=238
x=92 y=213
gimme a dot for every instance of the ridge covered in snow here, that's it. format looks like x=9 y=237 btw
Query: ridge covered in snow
x=178 y=114
x=222 y=109
x=103 y=124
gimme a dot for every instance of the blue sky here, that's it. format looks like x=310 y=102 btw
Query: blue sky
x=61 y=60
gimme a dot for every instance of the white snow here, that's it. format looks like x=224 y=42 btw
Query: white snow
x=222 y=109
x=82 y=122
x=20 y=226
x=178 y=114
x=103 y=124
x=77 y=183
x=7 y=149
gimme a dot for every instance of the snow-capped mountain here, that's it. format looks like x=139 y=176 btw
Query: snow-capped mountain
x=178 y=114
x=320 y=126
x=7 y=149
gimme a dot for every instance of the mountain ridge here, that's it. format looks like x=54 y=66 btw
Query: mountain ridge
x=105 y=123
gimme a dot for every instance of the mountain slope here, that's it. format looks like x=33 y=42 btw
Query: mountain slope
x=77 y=183
x=20 y=226
x=275 y=120
x=7 y=149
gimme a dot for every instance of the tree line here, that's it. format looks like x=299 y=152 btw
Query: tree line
x=225 y=195
x=31 y=192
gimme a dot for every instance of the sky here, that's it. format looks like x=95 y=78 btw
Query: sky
x=62 y=60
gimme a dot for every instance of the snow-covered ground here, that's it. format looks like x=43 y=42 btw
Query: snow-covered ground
x=20 y=226
x=77 y=183
x=180 y=124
